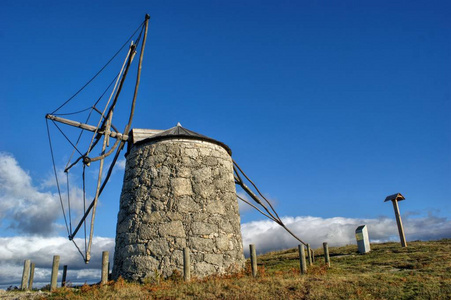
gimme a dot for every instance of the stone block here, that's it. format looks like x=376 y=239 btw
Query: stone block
x=215 y=207
x=223 y=243
x=174 y=228
x=214 y=259
x=187 y=204
x=204 y=268
x=191 y=153
x=199 y=228
x=181 y=187
x=147 y=232
x=199 y=243
x=158 y=247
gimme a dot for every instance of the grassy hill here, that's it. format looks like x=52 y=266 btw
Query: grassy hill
x=421 y=271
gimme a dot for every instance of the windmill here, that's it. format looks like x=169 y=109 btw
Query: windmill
x=108 y=141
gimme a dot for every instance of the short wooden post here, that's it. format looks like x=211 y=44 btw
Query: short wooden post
x=54 y=277
x=186 y=264
x=25 y=275
x=30 y=283
x=326 y=254
x=105 y=259
x=253 y=260
x=313 y=255
x=302 y=259
x=309 y=255
x=63 y=281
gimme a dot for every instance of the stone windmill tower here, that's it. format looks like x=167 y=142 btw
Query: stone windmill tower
x=178 y=191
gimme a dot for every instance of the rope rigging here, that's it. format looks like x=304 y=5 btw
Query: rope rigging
x=104 y=129
x=261 y=200
x=103 y=68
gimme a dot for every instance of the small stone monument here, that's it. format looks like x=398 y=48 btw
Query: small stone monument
x=363 y=242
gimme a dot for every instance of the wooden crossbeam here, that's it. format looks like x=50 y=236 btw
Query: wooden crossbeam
x=88 y=127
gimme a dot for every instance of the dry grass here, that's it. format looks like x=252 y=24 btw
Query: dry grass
x=421 y=271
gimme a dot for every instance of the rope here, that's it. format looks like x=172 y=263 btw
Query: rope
x=258 y=191
x=56 y=175
x=91 y=146
x=92 y=106
x=90 y=80
x=68 y=202
x=74 y=113
x=66 y=137
x=272 y=217
x=79 y=250
x=76 y=144
x=250 y=204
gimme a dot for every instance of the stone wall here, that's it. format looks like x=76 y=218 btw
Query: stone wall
x=177 y=193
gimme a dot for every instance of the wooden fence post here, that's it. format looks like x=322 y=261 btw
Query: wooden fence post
x=309 y=255
x=63 y=281
x=54 y=277
x=326 y=254
x=186 y=264
x=313 y=255
x=25 y=275
x=30 y=283
x=253 y=259
x=104 y=275
x=302 y=259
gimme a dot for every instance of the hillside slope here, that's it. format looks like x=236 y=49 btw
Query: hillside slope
x=421 y=271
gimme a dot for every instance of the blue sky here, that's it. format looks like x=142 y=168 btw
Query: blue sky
x=328 y=106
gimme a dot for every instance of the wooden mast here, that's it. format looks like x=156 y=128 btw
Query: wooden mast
x=104 y=129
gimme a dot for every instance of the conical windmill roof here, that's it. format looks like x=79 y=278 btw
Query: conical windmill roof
x=179 y=132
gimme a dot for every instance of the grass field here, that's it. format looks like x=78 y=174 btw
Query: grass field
x=420 y=271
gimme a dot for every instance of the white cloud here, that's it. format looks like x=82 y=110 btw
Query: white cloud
x=266 y=235
x=40 y=250
x=338 y=231
x=120 y=165
x=25 y=208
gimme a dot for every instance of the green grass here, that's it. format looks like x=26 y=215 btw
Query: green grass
x=420 y=271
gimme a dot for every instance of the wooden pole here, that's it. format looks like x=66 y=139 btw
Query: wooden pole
x=30 y=283
x=63 y=281
x=399 y=222
x=55 y=266
x=309 y=255
x=313 y=255
x=87 y=127
x=25 y=275
x=326 y=254
x=253 y=259
x=302 y=259
x=105 y=259
x=186 y=264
